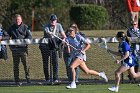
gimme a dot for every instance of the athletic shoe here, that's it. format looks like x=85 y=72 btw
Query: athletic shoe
x=138 y=84
x=18 y=84
x=113 y=89
x=102 y=75
x=57 y=81
x=48 y=81
x=71 y=86
x=76 y=81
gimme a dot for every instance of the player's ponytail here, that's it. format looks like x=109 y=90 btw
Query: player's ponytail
x=123 y=36
x=127 y=39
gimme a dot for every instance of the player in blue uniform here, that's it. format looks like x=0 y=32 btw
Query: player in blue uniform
x=126 y=57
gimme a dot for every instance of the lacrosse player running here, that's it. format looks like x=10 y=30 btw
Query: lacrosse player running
x=126 y=57
x=79 y=57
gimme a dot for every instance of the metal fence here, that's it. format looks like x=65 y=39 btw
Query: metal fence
x=97 y=59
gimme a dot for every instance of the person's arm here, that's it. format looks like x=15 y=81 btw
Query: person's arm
x=63 y=34
x=87 y=44
x=114 y=52
x=28 y=33
x=68 y=49
x=123 y=57
x=86 y=47
x=9 y=32
x=5 y=36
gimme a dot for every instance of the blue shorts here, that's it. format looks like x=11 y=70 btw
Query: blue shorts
x=129 y=63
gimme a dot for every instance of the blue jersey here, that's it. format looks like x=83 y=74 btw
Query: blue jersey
x=123 y=48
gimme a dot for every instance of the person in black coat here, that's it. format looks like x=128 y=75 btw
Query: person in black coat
x=19 y=30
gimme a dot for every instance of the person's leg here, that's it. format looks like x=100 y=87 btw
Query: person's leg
x=77 y=62
x=132 y=16
x=136 y=68
x=45 y=58
x=129 y=77
x=76 y=70
x=118 y=73
x=136 y=18
x=55 y=65
x=84 y=68
x=130 y=20
x=133 y=73
x=67 y=60
x=74 y=64
x=77 y=74
x=16 y=61
x=26 y=68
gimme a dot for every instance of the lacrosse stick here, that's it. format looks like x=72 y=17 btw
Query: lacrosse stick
x=65 y=42
x=104 y=46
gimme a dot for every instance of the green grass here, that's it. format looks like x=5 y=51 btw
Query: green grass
x=124 y=88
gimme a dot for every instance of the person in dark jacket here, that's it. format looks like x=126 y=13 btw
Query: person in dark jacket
x=3 y=49
x=19 y=30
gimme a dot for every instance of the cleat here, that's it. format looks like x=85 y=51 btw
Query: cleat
x=102 y=75
x=113 y=89
x=71 y=86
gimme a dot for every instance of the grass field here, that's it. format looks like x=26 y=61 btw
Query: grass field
x=124 y=88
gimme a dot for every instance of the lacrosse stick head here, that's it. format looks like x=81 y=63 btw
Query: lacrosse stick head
x=103 y=44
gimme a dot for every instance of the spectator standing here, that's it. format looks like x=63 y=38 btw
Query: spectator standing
x=134 y=32
x=50 y=50
x=133 y=9
x=19 y=30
